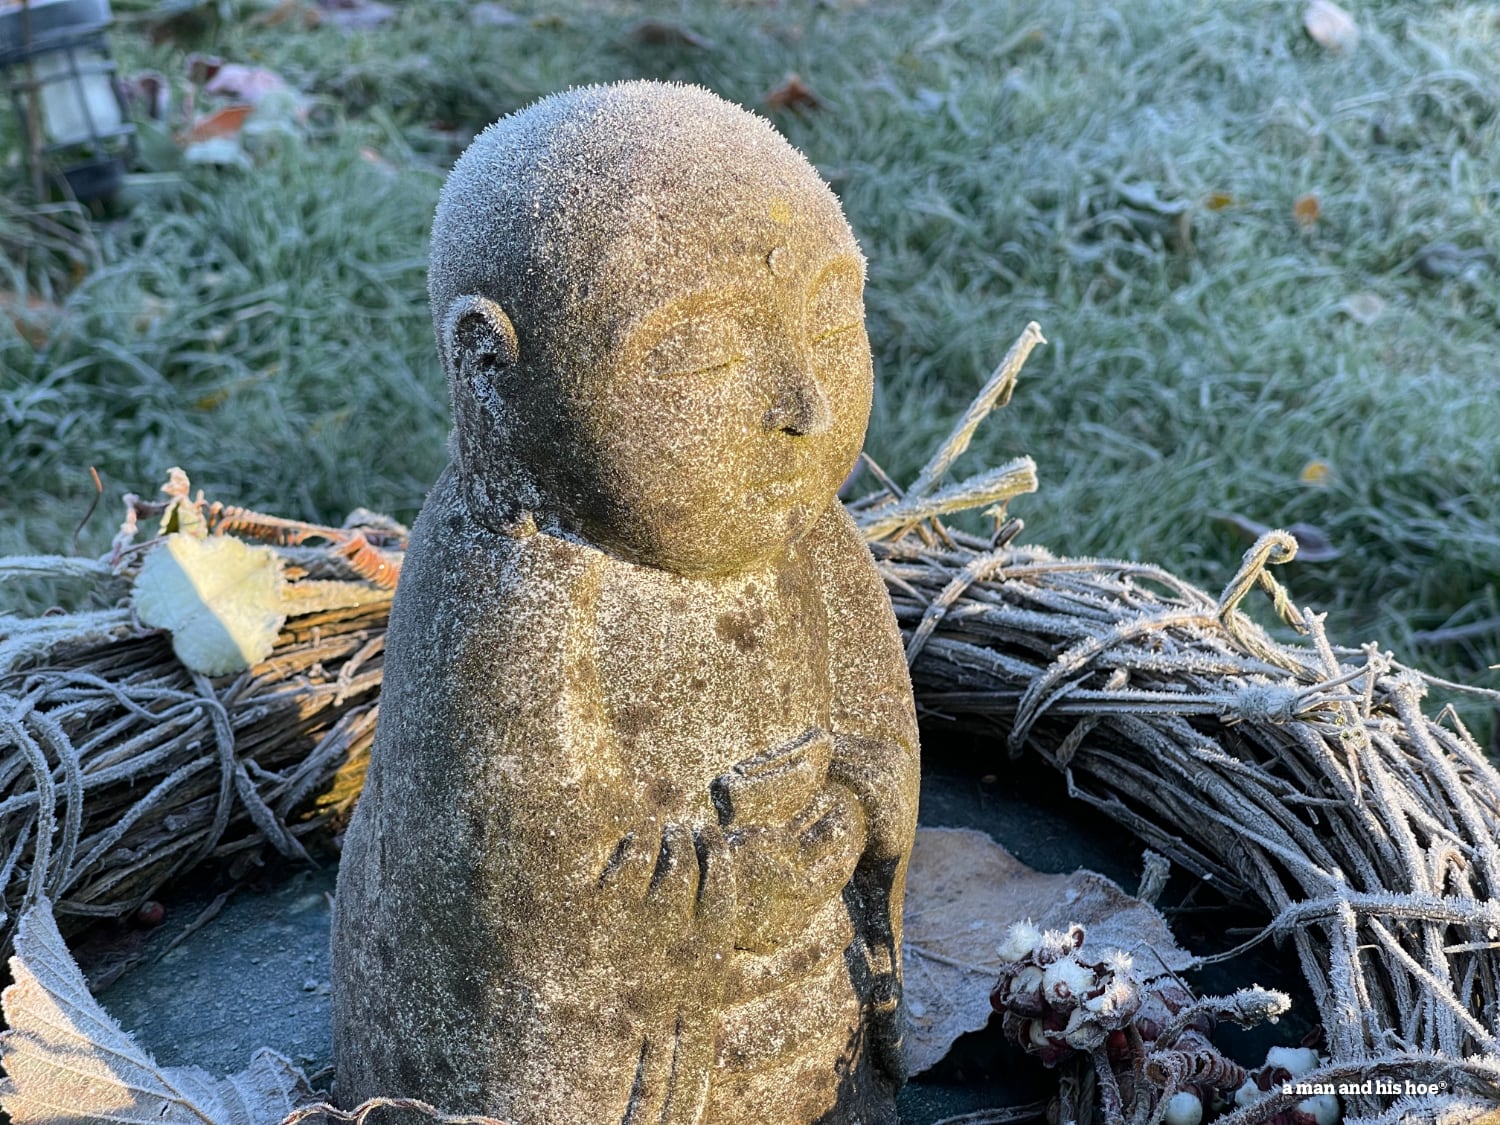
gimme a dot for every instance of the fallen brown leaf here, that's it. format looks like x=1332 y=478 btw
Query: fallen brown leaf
x=33 y=318
x=1307 y=210
x=226 y=122
x=793 y=94
x=964 y=892
x=288 y=11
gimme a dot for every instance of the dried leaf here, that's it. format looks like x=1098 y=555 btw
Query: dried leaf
x=656 y=33
x=33 y=318
x=1330 y=26
x=220 y=598
x=1363 y=308
x=1219 y=200
x=147 y=93
x=964 y=891
x=67 y=1060
x=247 y=84
x=793 y=94
x=201 y=68
x=226 y=122
x=1307 y=210
x=288 y=11
x=1315 y=473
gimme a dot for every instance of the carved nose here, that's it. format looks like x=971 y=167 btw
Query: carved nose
x=800 y=408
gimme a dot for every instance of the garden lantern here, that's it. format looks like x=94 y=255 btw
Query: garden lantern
x=55 y=62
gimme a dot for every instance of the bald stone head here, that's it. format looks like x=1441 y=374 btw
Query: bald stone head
x=650 y=310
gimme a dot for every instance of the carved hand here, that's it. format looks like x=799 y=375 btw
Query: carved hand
x=793 y=835
x=885 y=776
x=669 y=897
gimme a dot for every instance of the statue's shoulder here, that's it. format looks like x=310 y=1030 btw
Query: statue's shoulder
x=488 y=653
x=461 y=572
x=840 y=553
x=475 y=605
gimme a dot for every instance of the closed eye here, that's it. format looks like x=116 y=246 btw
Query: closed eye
x=723 y=365
x=696 y=346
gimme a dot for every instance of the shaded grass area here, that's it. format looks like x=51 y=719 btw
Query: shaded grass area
x=1125 y=176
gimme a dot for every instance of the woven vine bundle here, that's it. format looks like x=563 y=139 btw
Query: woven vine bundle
x=143 y=769
x=1302 y=777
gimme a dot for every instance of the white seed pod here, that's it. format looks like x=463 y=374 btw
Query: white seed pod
x=1324 y=1109
x=1296 y=1061
x=1038 y=1034
x=1066 y=981
x=1183 y=1108
x=1021 y=941
x=1120 y=996
x=1249 y=1093
x=1025 y=991
x=1083 y=1033
x=1056 y=944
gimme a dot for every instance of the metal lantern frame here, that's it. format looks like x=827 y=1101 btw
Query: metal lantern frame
x=71 y=34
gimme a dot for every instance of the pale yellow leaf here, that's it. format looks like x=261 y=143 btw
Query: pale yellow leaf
x=219 y=597
x=1363 y=308
x=1315 y=472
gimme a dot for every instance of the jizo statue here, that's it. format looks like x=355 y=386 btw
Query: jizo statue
x=633 y=843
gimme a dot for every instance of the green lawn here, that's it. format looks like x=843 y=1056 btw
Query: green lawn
x=1124 y=175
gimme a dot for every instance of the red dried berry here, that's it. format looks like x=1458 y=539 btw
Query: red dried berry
x=151 y=914
x=1117 y=1044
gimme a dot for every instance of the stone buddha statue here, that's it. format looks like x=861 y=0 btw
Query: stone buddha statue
x=633 y=842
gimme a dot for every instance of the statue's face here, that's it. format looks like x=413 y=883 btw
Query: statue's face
x=727 y=386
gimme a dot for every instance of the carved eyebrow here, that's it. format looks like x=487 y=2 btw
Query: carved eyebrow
x=847 y=261
x=714 y=298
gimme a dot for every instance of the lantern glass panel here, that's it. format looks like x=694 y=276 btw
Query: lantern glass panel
x=78 y=99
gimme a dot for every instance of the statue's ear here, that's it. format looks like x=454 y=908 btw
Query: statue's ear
x=480 y=350
x=483 y=361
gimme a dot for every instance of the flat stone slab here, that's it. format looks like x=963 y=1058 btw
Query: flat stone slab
x=256 y=975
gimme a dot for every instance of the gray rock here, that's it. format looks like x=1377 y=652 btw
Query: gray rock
x=633 y=842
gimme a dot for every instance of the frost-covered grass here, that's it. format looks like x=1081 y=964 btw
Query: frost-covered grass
x=1124 y=175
